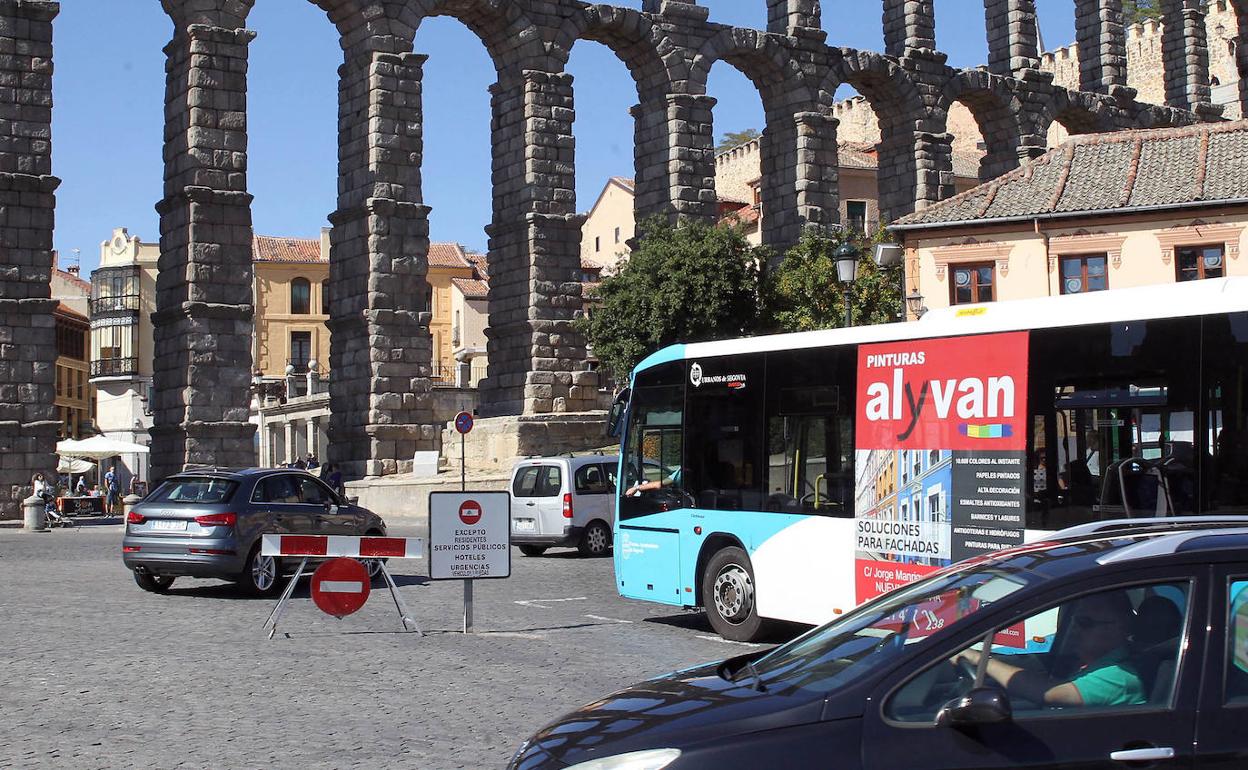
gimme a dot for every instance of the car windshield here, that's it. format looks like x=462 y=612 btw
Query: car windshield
x=194 y=490
x=875 y=634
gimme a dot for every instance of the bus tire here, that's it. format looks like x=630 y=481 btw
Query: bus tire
x=728 y=592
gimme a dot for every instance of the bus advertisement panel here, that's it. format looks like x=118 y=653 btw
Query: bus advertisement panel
x=940 y=455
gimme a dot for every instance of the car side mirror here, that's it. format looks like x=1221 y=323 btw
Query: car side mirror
x=980 y=706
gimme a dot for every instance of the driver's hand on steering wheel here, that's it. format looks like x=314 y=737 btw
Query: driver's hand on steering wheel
x=970 y=656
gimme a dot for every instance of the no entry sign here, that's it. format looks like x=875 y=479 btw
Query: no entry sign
x=463 y=422
x=340 y=587
x=470 y=512
x=469 y=535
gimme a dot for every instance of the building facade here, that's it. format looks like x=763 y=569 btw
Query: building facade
x=1101 y=212
x=123 y=298
x=291 y=290
x=75 y=402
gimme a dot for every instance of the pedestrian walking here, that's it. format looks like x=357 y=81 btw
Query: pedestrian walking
x=81 y=488
x=312 y=462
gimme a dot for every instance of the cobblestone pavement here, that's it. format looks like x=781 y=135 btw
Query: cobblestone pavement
x=98 y=673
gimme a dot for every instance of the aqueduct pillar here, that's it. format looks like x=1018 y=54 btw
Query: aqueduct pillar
x=380 y=347
x=28 y=424
x=203 y=319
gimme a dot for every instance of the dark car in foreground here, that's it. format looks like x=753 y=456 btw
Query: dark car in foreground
x=1113 y=645
x=208 y=523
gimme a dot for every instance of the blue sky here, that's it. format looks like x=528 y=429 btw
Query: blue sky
x=109 y=90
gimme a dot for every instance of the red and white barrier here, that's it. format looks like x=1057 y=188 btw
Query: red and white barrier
x=351 y=546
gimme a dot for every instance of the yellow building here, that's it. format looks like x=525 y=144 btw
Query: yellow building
x=292 y=304
x=1100 y=212
x=448 y=265
x=74 y=392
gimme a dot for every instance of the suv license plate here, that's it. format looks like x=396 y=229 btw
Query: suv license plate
x=525 y=525
x=172 y=525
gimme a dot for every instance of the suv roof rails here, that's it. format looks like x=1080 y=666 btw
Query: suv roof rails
x=1167 y=522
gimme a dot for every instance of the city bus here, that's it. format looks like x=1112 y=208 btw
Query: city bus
x=792 y=477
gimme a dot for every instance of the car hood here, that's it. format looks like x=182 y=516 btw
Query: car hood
x=673 y=711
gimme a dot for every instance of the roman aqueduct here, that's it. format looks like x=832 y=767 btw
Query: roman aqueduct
x=380 y=345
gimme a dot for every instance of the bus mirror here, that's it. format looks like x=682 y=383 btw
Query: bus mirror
x=618 y=408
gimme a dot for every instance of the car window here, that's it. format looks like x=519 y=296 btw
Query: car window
x=590 y=480
x=610 y=470
x=525 y=484
x=1117 y=649
x=278 y=489
x=201 y=490
x=1237 y=642
x=312 y=493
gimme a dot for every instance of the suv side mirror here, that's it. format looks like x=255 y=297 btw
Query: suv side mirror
x=980 y=706
x=618 y=408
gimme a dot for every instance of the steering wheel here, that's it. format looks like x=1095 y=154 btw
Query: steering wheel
x=967 y=669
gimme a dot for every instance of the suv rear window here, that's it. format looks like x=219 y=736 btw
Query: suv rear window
x=194 y=490
x=538 y=481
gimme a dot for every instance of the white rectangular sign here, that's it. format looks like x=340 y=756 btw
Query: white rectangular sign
x=469 y=535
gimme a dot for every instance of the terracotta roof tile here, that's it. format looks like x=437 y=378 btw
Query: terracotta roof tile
x=625 y=182
x=472 y=289
x=267 y=248
x=67 y=311
x=1104 y=172
x=447 y=255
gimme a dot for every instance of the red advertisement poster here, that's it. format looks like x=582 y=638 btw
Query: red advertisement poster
x=941 y=433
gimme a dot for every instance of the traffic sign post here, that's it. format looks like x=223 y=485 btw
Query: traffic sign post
x=463 y=424
x=469 y=539
x=341 y=586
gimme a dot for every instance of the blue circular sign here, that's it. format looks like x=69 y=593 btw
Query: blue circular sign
x=463 y=422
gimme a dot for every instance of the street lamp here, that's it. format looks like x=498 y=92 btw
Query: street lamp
x=846 y=259
x=914 y=301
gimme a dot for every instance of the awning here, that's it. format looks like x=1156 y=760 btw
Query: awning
x=98 y=448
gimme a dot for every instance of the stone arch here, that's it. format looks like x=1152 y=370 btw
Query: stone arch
x=994 y=106
x=899 y=107
x=634 y=40
x=782 y=86
x=1077 y=112
x=511 y=38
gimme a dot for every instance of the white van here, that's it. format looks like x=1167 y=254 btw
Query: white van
x=563 y=501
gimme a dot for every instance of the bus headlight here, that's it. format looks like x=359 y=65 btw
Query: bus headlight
x=651 y=759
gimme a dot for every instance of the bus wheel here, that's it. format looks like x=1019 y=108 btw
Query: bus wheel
x=729 y=596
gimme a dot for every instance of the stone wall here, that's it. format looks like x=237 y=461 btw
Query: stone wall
x=28 y=420
x=1145 y=47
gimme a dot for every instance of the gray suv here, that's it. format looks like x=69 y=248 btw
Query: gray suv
x=208 y=523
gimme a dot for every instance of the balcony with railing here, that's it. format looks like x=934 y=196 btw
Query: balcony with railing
x=114 y=367
x=122 y=303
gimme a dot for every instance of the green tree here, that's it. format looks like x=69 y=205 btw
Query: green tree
x=736 y=138
x=690 y=283
x=1135 y=11
x=802 y=292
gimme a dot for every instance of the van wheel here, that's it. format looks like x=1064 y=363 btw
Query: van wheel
x=596 y=541
x=153 y=583
x=532 y=550
x=729 y=596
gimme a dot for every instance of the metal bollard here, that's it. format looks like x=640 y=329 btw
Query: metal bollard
x=36 y=519
x=128 y=502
